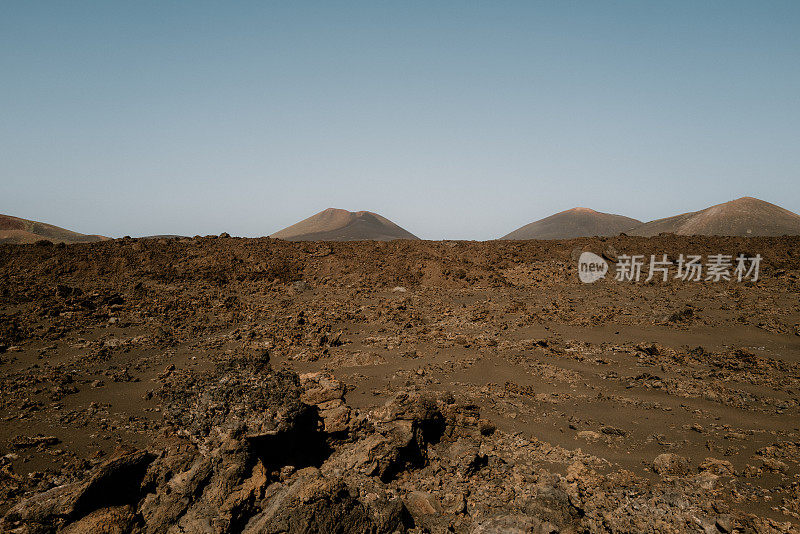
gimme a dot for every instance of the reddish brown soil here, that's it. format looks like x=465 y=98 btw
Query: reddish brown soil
x=625 y=372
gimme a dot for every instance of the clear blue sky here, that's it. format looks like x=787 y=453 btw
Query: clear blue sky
x=455 y=120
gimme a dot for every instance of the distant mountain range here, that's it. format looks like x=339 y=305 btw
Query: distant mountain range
x=577 y=222
x=341 y=225
x=16 y=230
x=746 y=216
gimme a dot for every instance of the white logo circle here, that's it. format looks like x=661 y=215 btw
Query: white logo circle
x=591 y=267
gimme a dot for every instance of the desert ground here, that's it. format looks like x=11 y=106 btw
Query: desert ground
x=217 y=384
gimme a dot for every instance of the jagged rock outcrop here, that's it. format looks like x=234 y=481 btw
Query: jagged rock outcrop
x=257 y=450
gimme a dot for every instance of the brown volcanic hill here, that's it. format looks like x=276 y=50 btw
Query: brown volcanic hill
x=19 y=231
x=577 y=222
x=746 y=216
x=341 y=225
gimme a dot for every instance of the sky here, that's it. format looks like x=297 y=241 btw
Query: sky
x=456 y=120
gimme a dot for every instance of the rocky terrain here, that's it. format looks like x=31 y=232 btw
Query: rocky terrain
x=257 y=385
x=335 y=224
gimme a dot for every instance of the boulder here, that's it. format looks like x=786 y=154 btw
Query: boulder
x=669 y=464
x=117 y=481
x=111 y=520
x=717 y=467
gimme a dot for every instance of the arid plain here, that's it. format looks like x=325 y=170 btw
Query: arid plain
x=222 y=384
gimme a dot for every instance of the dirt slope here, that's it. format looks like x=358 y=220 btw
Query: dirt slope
x=341 y=225
x=746 y=216
x=577 y=222
x=16 y=230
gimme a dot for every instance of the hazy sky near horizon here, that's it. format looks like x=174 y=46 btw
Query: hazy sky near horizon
x=455 y=120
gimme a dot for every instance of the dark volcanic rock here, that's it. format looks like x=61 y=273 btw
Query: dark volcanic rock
x=116 y=482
